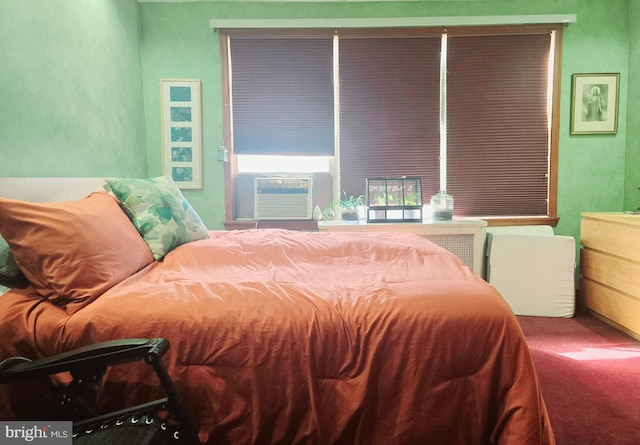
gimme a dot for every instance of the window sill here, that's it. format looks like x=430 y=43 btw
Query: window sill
x=313 y=225
x=521 y=221
x=271 y=224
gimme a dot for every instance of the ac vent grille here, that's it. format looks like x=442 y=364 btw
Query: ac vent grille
x=283 y=198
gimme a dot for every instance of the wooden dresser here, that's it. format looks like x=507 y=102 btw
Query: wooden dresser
x=610 y=268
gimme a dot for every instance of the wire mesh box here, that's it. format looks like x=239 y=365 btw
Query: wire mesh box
x=394 y=200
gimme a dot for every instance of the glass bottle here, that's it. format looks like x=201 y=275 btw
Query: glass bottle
x=442 y=207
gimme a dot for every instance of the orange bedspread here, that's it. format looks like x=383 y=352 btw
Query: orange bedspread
x=315 y=338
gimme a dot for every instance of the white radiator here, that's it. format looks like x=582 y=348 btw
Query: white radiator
x=462 y=237
x=461 y=245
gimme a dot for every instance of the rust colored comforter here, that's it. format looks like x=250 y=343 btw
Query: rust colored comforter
x=311 y=338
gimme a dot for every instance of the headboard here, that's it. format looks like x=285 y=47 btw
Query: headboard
x=49 y=189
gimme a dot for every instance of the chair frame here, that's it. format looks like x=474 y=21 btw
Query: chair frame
x=87 y=364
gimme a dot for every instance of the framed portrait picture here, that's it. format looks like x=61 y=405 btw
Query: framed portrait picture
x=182 y=132
x=594 y=103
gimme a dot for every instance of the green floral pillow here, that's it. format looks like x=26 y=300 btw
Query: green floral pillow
x=9 y=270
x=164 y=218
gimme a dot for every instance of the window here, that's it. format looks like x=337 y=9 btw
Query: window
x=497 y=124
x=389 y=111
x=378 y=99
x=282 y=93
x=283 y=164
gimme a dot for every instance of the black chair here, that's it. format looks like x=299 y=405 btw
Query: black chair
x=161 y=421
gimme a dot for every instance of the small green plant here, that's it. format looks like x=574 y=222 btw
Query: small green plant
x=411 y=199
x=351 y=202
x=348 y=206
x=393 y=200
x=328 y=213
x=381 y=199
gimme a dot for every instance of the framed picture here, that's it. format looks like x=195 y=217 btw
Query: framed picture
x=594 y=103
x=182 y=132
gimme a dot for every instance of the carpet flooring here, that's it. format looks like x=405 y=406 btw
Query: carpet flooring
x=590 y=379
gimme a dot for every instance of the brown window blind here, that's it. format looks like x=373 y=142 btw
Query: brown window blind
x=282 y=95
x=389 y=110
x=498 y=124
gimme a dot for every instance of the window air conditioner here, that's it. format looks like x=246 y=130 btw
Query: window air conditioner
x=282 y=197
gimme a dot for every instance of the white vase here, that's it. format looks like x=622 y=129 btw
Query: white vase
x=317 y=213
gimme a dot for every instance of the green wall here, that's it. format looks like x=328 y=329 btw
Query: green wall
x=591 y=167
x=81 y=85
x=177 y=42
x=71 y=89
x=632 y=171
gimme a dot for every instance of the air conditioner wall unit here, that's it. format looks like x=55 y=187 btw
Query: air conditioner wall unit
x=283 y=197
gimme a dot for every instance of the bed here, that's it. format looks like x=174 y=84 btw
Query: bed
x=277 y=337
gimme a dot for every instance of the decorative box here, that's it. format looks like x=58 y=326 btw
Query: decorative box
x=394 y=200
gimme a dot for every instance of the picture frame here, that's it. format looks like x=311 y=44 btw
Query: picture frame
x=594 y=103
x=182 y=131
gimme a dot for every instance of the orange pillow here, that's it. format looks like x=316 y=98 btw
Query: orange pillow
x=73 y=251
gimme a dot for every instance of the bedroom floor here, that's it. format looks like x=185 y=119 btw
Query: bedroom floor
x=590 y=378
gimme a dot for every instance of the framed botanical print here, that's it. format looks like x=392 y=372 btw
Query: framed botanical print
x=182 y=132
x=594 y=103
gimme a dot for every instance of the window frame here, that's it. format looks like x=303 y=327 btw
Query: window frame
x=230 y=167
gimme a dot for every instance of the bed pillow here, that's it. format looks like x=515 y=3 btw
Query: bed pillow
x=71 y=252
x=162 y=215
x=9 y=269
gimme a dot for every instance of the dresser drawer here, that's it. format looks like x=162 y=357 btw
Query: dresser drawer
x=614 y=272
x=622 y=309
x=612 y=236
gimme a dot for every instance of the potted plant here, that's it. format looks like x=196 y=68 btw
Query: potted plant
x=348 y=207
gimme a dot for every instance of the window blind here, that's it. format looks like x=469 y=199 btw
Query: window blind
x=389 y=110
x=282 y=94
x=498 y=124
